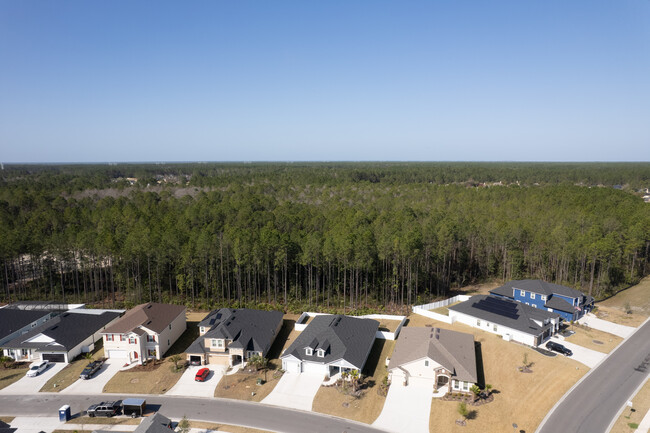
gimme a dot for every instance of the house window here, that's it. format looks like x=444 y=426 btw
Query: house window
x=320 y=353
x=309 y=351
x=455 y=384
x=202 y=329
x=426 y=362
x=251 y=353
x=465 y=386
x=151 y=338
x=527 y=303
x=131 y=340
x=24 y=352
x=543 y=297
x=220 y=344
x=522 y=292
x=213 y=343
x=109 y=337
x=532 y=295
x=495 y=328
x=478 y=322
x=170 y=326
x=152 y=353
x=168 y=343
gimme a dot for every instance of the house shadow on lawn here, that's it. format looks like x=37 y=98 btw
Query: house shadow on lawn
x=374 y=358
x=278 y=344
x=480 y=373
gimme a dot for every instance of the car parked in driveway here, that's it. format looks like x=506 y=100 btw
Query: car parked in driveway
x=557 y=347
x=91 y=369
x=202 y=374
x=37 y=368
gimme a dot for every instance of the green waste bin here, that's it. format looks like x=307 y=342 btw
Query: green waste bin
x=260 y=381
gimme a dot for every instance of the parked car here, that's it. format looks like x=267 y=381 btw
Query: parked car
x=37 y=368
x=105 y=408
x=202 y=374
x=195 y=360
x=91 y=369
x=557 y=347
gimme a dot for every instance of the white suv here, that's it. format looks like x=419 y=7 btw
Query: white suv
x=37 y=368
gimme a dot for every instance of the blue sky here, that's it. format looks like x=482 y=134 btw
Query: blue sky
x=332 y=80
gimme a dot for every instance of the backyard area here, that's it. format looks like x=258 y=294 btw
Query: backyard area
x=629 y=307
x=368 y=407
x=388 y=325
x=444 y=310
x=243 y=385
x=521 y=398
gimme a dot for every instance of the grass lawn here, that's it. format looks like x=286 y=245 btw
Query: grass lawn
x=224 y=427
x=638 y=298
x=585 y=337
x=11 y=375
x=640 y=404
x=70 y=373
x=477 y=289
x=388 y=325
x=117 y=420
x=368 y=407
x=444 y=310
x=522 y=398
x=240 y=386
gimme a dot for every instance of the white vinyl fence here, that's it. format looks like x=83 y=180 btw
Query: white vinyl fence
x=423 y=310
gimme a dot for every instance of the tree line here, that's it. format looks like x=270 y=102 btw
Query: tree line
x=321 y=236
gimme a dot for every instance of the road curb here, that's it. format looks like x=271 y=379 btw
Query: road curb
x=548 y=415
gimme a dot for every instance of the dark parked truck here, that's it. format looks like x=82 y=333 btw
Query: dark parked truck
x=91 y=369
x=105 y=408
x=134 y=406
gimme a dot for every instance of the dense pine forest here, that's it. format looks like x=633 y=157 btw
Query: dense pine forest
x=326 y=236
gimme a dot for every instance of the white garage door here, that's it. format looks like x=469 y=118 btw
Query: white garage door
x=313 y=368
x=291 y=366
x=117 y=354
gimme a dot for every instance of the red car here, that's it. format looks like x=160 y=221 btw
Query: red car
x=202 y=374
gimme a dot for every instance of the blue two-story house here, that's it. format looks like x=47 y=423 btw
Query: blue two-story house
x=569 y=303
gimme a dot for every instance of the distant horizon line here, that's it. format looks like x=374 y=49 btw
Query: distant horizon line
x=320 y=162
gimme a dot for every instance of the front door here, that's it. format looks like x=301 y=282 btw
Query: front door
x=442 y=381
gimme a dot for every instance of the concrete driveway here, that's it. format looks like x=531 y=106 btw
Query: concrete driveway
x=295 y=390
x=407 y=408
x=95 y=385
x=187 y=386
x=592 y=321
x=581 y=354
x=31 y=385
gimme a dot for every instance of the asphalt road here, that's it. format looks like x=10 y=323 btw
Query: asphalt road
x=224 y=411
x=591 y=406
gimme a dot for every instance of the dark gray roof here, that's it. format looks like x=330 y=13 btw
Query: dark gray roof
x=349 y=338
x=536 y=286
x=156 y=423
x=11 y=319
x=247 y=329
x=522 y=319
x=67 y=330
x=557 y=303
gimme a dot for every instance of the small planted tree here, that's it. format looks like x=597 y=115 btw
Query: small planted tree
x=463 y=411
x=175 y=359
x=475 y=390
x=184 y=425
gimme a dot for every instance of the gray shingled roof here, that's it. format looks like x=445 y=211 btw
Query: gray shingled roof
x=152 y=315
x=156 y=423
x=451 y=349
x=247 y=329
x=341 y=337
x=557 y=303
x=536 y=286
x=524 y=314
x=67 y=330
x=11 y=319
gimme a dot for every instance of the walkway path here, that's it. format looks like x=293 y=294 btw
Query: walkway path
x=592 y=321
x=644 y=426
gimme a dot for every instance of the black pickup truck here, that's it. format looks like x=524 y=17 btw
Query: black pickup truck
x=105 y=408
x=91 y=369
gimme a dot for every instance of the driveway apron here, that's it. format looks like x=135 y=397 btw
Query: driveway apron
x=187 y=386
x=95 y=385
x=407 y=408
x=592 y=321
x=31 y=385
x=295 y=390
x=581 y=354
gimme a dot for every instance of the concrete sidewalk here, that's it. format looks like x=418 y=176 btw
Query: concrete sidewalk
x=47 y=424
x=644 y=426
x=591 y=321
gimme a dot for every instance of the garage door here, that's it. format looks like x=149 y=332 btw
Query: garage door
x=118 y=354
x=313 y=368
x=53 y=357
x=291 y=366
x=218 y=360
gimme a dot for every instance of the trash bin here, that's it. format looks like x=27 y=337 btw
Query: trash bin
x=260 y=381
x=64 y=413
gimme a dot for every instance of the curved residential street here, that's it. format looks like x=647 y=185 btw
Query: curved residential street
x=224 y=411
x=591 y=406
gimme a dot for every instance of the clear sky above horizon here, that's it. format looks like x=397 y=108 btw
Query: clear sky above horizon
x=550 y=80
